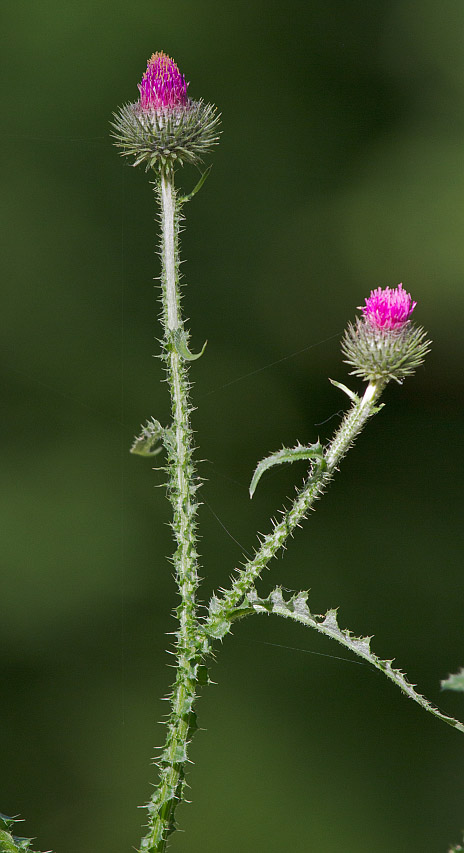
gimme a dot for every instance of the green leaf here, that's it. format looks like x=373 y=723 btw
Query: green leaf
x=180 y=753
x=179 y=340
x=296 y=608
x=354 y=397
x=287 y=454
x=454 y=682
x=218 y=629
x=23 y=844
x=219 y=625
x=197 y=186
x=11 y=843
x=145 y=445
x=7 y=844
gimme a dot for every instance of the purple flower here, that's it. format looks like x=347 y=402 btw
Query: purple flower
x=163 y=86
x=388 y=309
x=383 y=344
x=164 y=128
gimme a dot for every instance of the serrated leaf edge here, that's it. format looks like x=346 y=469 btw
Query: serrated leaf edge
x=454 y=681
x=152 y=433
x=296 y=608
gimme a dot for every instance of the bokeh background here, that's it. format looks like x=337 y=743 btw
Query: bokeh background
x=340 y=169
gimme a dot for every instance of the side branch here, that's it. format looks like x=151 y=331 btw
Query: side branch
x=218 y=621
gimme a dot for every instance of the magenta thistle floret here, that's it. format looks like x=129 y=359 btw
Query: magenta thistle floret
x=163 y=86
x=383 y=344
x=388 y=308
x=165 y=128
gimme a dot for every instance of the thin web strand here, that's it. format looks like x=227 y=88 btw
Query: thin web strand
x=267 y=366
x=305 y=651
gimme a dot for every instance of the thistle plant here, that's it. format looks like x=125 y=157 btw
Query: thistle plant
x=164 y=129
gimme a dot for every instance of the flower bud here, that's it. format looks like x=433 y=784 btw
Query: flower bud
x=164 y=127
x=383 y=343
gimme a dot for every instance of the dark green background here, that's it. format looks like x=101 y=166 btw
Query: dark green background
x=340 y=169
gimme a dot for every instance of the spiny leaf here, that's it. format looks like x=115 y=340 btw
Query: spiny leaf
x=152 y=433
x=297 y=609
x=354 y=397
x=287 y=454
x=219 y=628
x=197 y=186
x=180 y=753
x=10 y=843
x=219 y=624
x=454 y=682
x=7 y=844
x=181 y=347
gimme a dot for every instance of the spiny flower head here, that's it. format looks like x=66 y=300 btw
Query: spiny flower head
x=384 y=344
x=162 y=86
x=164 y=128
x=388 y=308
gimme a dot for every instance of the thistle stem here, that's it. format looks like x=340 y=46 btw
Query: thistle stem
x=181 y=489
x=312 y=489
x=169 y=251
x=353 y=423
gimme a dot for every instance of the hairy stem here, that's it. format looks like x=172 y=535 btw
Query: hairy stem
x=169 y=252
x=313 y=488
x=181 y=489
x=353 y=423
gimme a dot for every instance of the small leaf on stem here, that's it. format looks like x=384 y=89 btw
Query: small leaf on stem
x=145 y=445
x=197 y=186
x=288 y=454
x=179 y=340
x=354 y=397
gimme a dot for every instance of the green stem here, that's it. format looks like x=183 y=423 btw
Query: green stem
x=313 y=487
x=182 y=486
x=181 y=489
x=353 y=423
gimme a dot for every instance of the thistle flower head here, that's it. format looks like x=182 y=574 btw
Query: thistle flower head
x=164 y=128
x=162 y=86
x=388 y=308
x=383 y=343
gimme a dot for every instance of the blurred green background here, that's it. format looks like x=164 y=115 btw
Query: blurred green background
x=340 y=169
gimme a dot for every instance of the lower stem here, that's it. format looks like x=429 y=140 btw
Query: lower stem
x=170 y=790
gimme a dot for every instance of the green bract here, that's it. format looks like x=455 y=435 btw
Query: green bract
x=166 y=137
x=384 y=353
